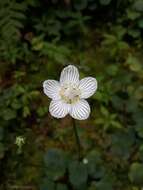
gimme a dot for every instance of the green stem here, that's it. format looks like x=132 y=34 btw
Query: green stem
x=77 y=139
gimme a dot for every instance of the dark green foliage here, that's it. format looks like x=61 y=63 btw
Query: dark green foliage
x=95 y=165
x=11 y=22
x=56 y=164
x=104 y=39
x=47 y=184
x=105 y=2
x=136 y=173
x=61 y=187
x=78 y=174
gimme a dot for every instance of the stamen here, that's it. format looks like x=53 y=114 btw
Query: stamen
x=69 y=93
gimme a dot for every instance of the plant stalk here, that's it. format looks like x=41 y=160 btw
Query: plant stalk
x=77 y=139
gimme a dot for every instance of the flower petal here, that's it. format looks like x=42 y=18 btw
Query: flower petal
x=51 y=89
x=69 y=74
x=58 y=108
x=80 y=110
x=87 y=87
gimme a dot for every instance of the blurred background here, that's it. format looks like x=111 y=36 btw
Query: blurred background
x=104 y=39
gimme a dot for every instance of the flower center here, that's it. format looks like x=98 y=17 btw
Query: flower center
x=70 y=93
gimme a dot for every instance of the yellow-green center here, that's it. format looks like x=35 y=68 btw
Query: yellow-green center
x=70 y=93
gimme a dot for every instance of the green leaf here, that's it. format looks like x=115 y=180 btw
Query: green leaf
x=56 y=163
x=138 y=118
x=132 y=14
x=92 y=186
x=140 y=23
x=78 y=174
x=104 y=185
x=136 y=173
x=9 y=114
x=16 y=104
x=47 y=185
x=104 y=111
x=135 y=33
x=134 y=63
x=26 y=111
x=61 y=187
x=95 y=166
x=138 y=5
x=121 y=143
x=112 y=70
x=105 y=2
x=42 y=110
x=80 y=4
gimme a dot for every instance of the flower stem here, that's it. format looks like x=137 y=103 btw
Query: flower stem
x=77 y=138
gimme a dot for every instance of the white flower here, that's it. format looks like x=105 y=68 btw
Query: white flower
x=69 y=94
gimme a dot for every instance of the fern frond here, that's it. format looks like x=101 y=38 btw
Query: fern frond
x=12 y=15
